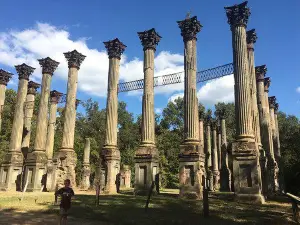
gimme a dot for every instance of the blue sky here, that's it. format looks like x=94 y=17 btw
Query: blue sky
x=35 y=29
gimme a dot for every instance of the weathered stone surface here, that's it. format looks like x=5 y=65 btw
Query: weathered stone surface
x=4 y=79
x=11 y=169
x=208 y=153
x=86 y=170
x=215 y=169
x=246 y=169
x=191 y=160
x=66 y=157
x=110 y=154
x=125 y=177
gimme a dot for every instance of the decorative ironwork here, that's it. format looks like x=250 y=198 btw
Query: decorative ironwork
x=175 y=78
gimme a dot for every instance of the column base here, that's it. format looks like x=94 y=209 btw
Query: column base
x=191 y=171
x=11 y=172
x=246 y=170
x=65 y=161
x=146 y=170
x=50 y=181
x=111 y=165
x=252 y=198
x=35 y=171
x=272 y=176
x=85 y=180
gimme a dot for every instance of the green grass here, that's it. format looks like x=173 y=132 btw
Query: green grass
x=128 y=209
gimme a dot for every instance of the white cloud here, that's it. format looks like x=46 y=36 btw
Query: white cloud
x=158 y=110
x=43 y=40
x=212 y=92
x=298 y=89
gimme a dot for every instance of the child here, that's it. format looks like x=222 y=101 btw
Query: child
x=66 y=193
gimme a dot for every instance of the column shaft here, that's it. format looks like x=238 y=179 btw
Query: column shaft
x=87 y=151
x=28 y=113
x=51 y=130
x=112 y=103
x=219 y=141
x=243 y=104
x=201 y=136
x=190 y=92
x=2 y=100
x=208 y=146
x=42 y=119
x=148 y=121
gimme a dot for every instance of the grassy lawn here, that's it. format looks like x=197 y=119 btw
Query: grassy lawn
x=167 y=208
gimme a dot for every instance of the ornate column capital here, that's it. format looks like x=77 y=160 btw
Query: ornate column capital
x=272 y=101
x=24 y=71
x=55 y=96
x=149 y=39
x=251 y=38
x=48 y=65
x=219 y=129
x=267 y=83
x=74 y=59
x=201 y=115
x=77 y=103
x=260 y=72
x=221 y=113
x=189 y=28
x=208 y=120
x=4 y=77
x=276 y=107
x=238 y=15
x=32 y=88
x=115 y=48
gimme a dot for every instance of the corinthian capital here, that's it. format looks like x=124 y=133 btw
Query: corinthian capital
x=189 y=28
x=214 y=124
x=272 y=101
x=48 y=65
x=260 y=72
x=276 y=107
x=251 y=38
x=238 y=15
x=55 y=96
x=267 y=83
x=24 y=71
x=149 y=39
x=32 y=87
x=115 y=48
x=74 y=59
x=4 y=77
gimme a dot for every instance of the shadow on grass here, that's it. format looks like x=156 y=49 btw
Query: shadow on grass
x=166 y=209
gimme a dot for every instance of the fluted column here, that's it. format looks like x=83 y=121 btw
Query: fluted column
x=54 y=99
x=251 y=39
x=247 y=180
x=13 y=161
x=201 y=133
x=149 y=39
x=110 y=152
x=225 y=173
x=215 y=169
x=147 y=155
x=4 y=79
x=191 y=160
x=66 y=156
x=272 y=102
x=208 y=153
x=86 y=171
x=219 y=144
x=37 y=159
x=28 y=113
x=278 y=152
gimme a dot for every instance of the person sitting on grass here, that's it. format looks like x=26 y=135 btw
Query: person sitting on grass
x=66 y=194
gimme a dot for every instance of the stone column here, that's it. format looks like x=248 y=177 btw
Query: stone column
x=269 y=165
x=4 y=79
x=36 y=161
x=110 y=152
x=66 y=157
x=125 y=177
x=191 y=160
x=215 y=170
x=201 y=132
x=85 y=180
x=246 y=169
x=208 y=155
x=225 y=173
x=146 y=156
x=219 y=144
x=278 y=152
x=54 y=100
x=11 y=168
x=28 y=113
x=251 y=39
